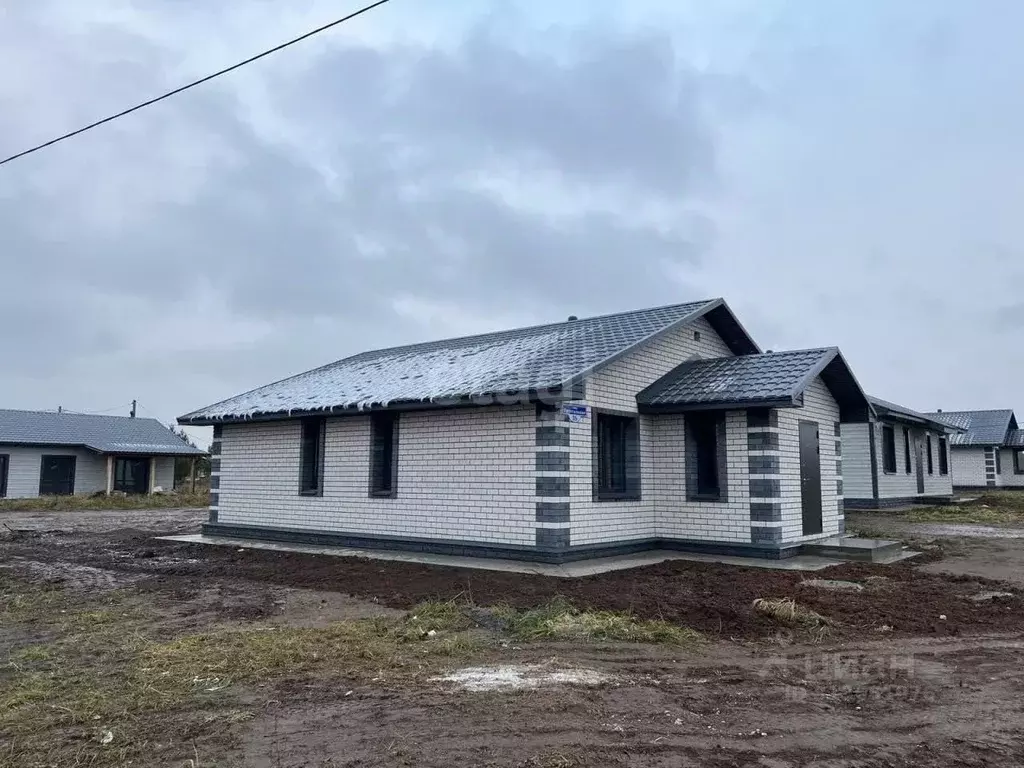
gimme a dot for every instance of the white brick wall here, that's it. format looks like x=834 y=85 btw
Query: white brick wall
x=968 y=466
x=821 y=407
x=1008 y=479
x=463 y=474
x=25 y=463
x=615 y=388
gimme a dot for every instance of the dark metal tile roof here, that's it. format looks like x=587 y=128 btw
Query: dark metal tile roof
x=522 y=360
x=979 y=427
x=104 y=434
x=751 y=379
x=1016 y=438
x=902 y=413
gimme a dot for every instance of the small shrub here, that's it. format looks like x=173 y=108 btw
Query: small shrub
x=786 y=610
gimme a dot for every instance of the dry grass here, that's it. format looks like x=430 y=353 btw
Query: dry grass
x=995 y=508
x=560 y=619
x=93 y=666
x=102 y=501
x=786 y=611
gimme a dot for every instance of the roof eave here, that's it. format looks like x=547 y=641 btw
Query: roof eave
x=556 y=393
x=859 y=407
x=718 y=405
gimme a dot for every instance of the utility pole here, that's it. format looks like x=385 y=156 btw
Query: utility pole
x=133 y=409
x=60 y=409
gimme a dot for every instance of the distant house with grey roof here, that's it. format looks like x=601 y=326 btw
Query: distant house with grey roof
x=988 y=451
x=46 y=453
x=897 y=458
x=663 y=427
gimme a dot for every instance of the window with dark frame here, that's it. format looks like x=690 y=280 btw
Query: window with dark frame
x=5 y=465
x=617 y=458
x=311 y=457
x=928 y=448
x=999 y=462
x=383 y=454
x=1018 y=461
x=906 y=450
x=888 y=449
x=943 y=457
x=704 y=429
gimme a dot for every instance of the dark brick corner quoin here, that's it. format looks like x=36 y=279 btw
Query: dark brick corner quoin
x=552 y=436
x=762 y=441
x=552 y=461
x=762 y=417
x=553 y=538
x=552 y=486
x=760 y=534
x=552 y=511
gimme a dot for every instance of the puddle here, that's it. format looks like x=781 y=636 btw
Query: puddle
x=522 y=676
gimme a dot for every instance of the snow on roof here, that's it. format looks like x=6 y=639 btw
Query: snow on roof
x=522 y=360
x=103 y=434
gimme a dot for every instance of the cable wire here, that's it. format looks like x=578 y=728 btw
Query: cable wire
x=193 y=84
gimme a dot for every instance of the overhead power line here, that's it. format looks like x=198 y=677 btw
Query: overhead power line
x=193 y=84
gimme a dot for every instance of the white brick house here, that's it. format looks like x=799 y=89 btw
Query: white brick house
x=898 y=458
x=664 y=427
x=988 y=451
x=45 y=453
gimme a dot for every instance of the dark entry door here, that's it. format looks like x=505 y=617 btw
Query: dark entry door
x=919 y=461
x=810 y=477
x=57 y=476
x=131 y=475
x=5 y=465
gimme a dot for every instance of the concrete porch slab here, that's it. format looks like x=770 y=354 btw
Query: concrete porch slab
x=564 y=570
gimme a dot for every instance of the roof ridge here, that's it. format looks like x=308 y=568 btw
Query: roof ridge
x=77 y=413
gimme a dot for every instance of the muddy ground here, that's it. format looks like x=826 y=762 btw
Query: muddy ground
x=915 y=671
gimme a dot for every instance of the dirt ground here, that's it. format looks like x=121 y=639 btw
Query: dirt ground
x=917 y=669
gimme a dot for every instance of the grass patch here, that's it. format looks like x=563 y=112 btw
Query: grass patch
x=978 y=513
x=102 y=501
x=560 y=619
x=787 y=611
x=93 y=666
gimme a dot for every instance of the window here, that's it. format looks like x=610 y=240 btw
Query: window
x=999 y=463
x=383 y=456
x=5 y=463
x=131 y=475
x=705 y=456
x=1018 y=462
x=928 y=448
x=906 y=450
x=311 y=457
x=617 y=458
x=943 y=457
x=888 y=449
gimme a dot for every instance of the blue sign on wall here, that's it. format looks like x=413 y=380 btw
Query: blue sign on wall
x=574 y=413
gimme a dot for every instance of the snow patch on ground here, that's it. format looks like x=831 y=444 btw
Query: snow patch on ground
x=522 y=676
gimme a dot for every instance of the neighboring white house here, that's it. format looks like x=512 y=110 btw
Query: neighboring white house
x=663 y=427
x=989 y=450
x=46 y=453
x=899 y=457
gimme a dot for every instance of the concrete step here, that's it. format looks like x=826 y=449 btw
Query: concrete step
x=853 y=548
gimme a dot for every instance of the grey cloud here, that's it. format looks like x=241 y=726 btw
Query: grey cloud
x=1010 y=317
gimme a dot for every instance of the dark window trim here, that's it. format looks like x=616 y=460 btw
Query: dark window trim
x=1018 y=461
x=999 y=460
x=717 y=421
x=629 y=494
x=888 y=449
x=5 y=468
x=906 y=450
x=943 y=456
x=928 y=448
x=321 y=425
x=377 y=421
x=149 y=471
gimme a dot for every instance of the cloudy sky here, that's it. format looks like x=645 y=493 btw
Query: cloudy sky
x=842 y=173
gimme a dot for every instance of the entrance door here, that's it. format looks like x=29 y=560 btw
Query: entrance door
x=131 y=475
x=57 y=476
x=919 y=461
x=810 y=477
x=5 y=465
